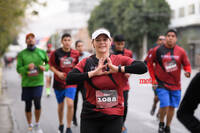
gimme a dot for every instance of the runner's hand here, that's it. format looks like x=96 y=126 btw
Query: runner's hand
x=100 y=70
x=154 y=84
x=127 y=75
x=42 y=68
x=31 y=66
x=112 y=68
x=187 y=74
x=61 y=75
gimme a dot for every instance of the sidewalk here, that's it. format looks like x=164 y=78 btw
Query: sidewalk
x=6 y=125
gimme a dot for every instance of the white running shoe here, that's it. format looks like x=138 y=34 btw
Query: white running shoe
x=37 y=129
x=30 y=129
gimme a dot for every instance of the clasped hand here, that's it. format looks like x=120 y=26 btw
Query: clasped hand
x=103 y=69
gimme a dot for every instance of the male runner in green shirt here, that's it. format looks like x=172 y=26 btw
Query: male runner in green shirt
x=31 y=62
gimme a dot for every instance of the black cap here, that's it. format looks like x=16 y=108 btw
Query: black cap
x=119 y=38
x=172 y=30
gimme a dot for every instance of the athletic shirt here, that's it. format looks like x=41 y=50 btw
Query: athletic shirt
x=127 y=53
x=37 y=57
x=63 y=62
x=49 y=53
x=103 y=82
x=168 y=63
x=149 y=55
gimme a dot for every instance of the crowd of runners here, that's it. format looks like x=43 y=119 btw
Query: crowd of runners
x=102 y=80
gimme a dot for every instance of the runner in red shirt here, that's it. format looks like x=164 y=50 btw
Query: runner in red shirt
x=168 y=60
x=61 y=62
x=159 y=42
x=119 y=48
x=49 y=73
x=104 y=81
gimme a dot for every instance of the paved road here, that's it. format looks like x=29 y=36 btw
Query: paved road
x=138 y=119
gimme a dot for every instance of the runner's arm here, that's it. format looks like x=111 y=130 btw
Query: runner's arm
x=22 y=69
x=54 y=70
x=150 y=65
x=53 y=64
x=75 y=76
x=136 y=67
x=186 y=63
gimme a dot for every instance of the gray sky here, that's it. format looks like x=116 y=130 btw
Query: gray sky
x=52 y=18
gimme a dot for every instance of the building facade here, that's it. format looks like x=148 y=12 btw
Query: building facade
x=84 y=6
x=185 y=18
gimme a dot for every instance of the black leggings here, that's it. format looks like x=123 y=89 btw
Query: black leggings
x=79 y=89
x=125 y=93
x=189 y=104
x=37 y=103
x=102 y=126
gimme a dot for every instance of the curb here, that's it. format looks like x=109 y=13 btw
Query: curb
x=6 y=114
x=15 y=128
x=5 y=102
x=1 y=92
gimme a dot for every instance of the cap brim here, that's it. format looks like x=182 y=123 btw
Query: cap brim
x=99 y=32
x=30 y=34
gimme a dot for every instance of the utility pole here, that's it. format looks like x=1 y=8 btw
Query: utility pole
x=145 y=40
x=144 y=46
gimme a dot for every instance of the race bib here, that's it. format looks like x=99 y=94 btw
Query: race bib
x=106 y=98
x=33 y=72
x=171 y=66
x=66 y=62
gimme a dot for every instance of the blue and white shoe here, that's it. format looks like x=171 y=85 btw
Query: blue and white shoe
x=124 y=130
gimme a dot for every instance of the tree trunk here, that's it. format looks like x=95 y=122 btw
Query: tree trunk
x=144 y=46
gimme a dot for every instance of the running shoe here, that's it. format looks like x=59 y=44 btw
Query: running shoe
x=161 y=128
x=61 y=129
x=124 y=130
x=68 y=130
x=48 y=92
x=75 y=122
x=30 y=130
x=153 y=110
x=37 y=129
x=167 y=129
x=158 y=116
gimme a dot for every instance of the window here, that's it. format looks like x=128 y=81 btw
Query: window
x=199 y=8
x=172 y=14
x=181 y=12
x=191 y=9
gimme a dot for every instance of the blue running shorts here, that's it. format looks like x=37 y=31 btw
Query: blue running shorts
x=168 y=97
x=68 y=92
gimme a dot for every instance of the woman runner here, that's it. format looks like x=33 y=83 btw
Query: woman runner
x=104 y=80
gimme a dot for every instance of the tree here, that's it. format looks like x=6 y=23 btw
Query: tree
x=134 y=19
x=12 y=13
x=101 y=16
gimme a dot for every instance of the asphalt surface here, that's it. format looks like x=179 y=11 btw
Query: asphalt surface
x=139 y=119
